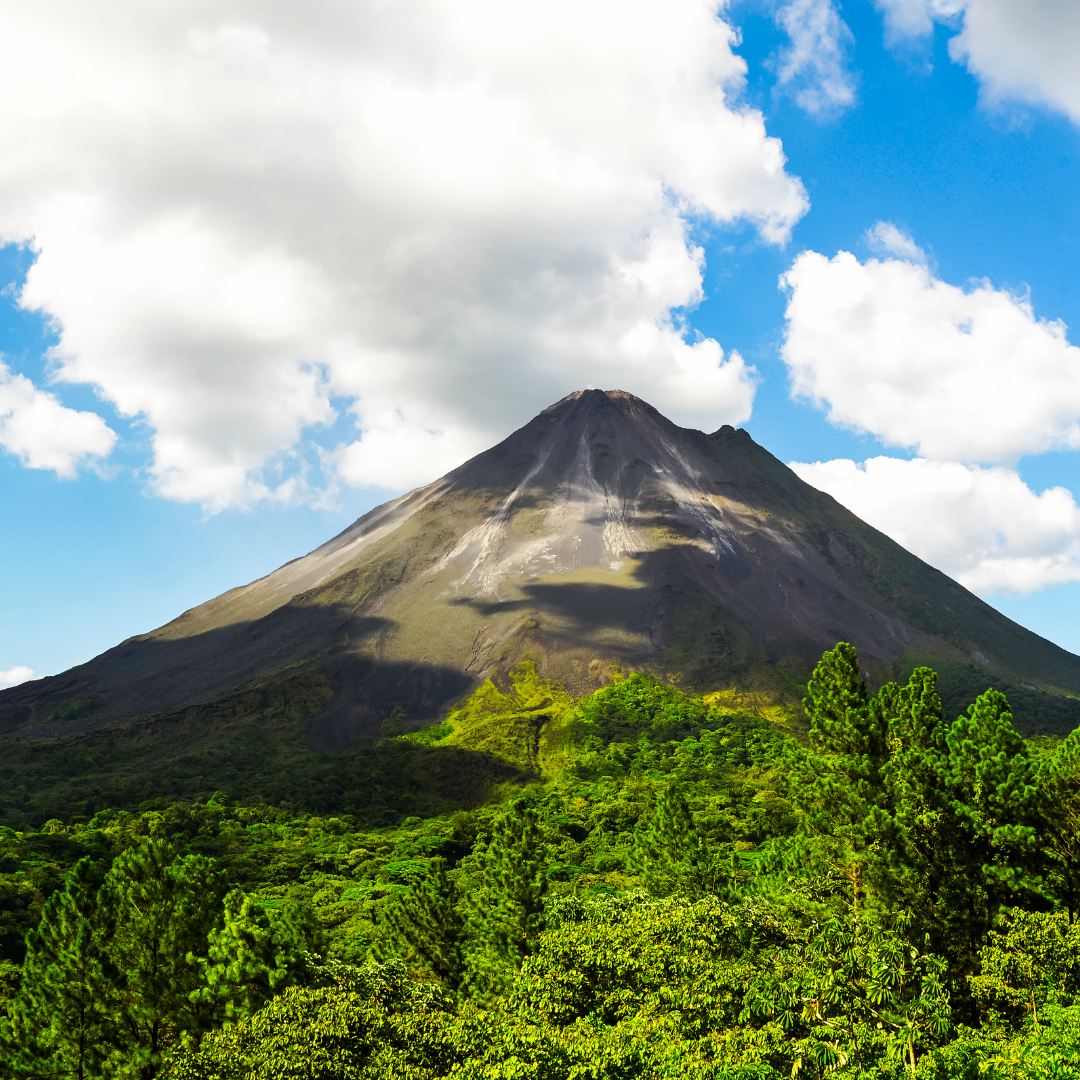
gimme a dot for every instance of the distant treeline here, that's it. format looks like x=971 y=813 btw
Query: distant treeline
x=689 y=894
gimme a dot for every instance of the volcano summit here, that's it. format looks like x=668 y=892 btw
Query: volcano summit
x=598 y=536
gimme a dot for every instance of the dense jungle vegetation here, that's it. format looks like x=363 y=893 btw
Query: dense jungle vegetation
x=668 y=889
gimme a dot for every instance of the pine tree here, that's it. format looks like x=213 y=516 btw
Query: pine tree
x=918 y=722
x=669 y=852
x=916 y=863
x=507 y=914
x=427 y=921
x=991 y=830
x=160 y=909
x=255 y=954
x=839 y=787
x=1060 y=781
x=842 y=719
x=60 y=1025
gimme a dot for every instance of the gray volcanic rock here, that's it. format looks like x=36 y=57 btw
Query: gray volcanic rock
x=599 y=534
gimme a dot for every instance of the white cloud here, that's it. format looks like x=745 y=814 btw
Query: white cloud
x=956 y=374
x=14 y=676
x=1018 y=51
x=1025 y=52
x=905 y=18
x=394 y=451
x=693 y=381
x=960 y=375
x=983 y=526
x=44 y=433
x=887 y=239
x=458 y=210
x=815 y=64
x=916 y=18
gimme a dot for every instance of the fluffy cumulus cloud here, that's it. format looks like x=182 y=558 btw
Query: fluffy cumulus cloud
x=14 y=676
x=44 y=433
x=968 y=378
x=962 y=374
x=815 y=65
x=983 y=526
x=430 y=218
x=1018 y=51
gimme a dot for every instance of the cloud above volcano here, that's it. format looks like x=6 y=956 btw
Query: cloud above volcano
x=412 y=221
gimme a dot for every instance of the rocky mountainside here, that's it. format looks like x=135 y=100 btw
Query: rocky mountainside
x=600 y=535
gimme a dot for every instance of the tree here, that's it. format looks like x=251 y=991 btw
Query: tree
x=842 y=718
x=1060 y=782
x=1030 y=960
x=839 y=787
x=991 y=829
x=507 y=912
x=160 y=909
x=916 y=862
x=942 y=821
x=857 y=993
x=255 y=953
x=372 y=1021
x=427 y=922
x=670 y=853
x=61 y=1024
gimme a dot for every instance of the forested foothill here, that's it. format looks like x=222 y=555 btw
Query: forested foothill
x=657 y=886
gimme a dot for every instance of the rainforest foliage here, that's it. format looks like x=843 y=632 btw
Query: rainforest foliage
x=669 y=889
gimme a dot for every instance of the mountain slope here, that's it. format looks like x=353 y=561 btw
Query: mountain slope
x=599 y=534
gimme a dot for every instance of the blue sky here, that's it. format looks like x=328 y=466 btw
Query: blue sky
x=230 y=329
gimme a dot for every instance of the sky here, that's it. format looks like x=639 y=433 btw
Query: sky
x=266 y=265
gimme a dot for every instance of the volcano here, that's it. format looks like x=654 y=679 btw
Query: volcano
x=598 y=538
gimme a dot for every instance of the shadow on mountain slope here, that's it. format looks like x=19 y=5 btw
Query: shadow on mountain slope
x=149 y=676
x=693 y=616
x=255 y=744
x=367 y=691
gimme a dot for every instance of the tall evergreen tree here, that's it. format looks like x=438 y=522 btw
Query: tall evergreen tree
x=255 y=954
x=160 y=909
x=670 y=853
x=991 y=829
x=915 y=861
x=1060 y=781
x=507 y=913
x=427 y=921
x=839 y=787
x=843 y=720
x=61 y=1024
